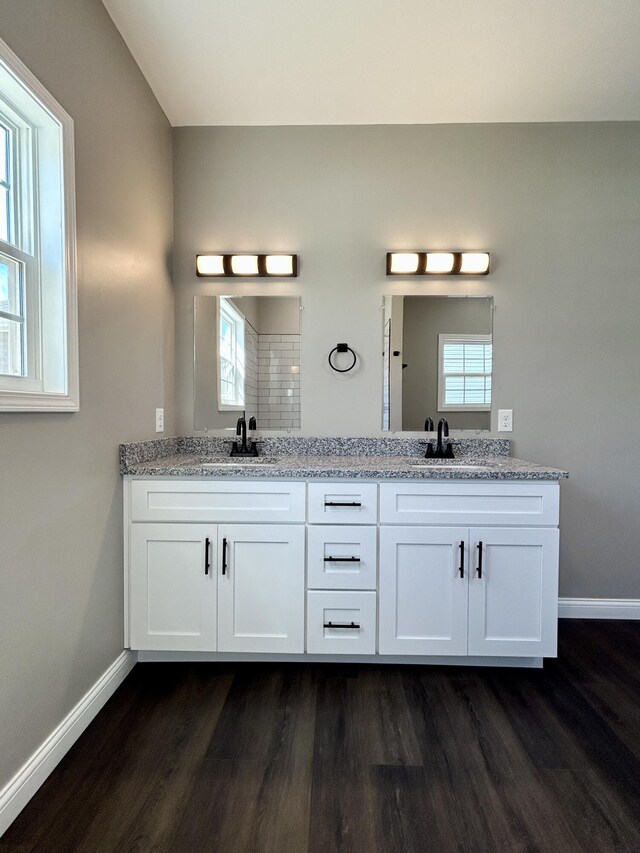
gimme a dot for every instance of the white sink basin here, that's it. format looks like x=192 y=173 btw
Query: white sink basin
x=461 y=466
x=228 y=462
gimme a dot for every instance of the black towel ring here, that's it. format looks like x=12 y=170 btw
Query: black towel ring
x=342 y=348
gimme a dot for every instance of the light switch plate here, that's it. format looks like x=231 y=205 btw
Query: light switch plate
x=159 y=420
x=505 y=420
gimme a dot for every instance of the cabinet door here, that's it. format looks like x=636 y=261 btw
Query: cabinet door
x=260 y=588
x=172 y=603
x=513 y=606
x=423 y=597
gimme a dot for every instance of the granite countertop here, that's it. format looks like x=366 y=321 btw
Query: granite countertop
x=353 y=460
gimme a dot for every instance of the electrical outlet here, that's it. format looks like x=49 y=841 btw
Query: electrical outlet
x=505 y=420
x=159 y=420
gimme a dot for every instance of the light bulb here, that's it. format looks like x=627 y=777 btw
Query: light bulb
x=210 y=264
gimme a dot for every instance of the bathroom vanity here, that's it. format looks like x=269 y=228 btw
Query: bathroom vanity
x=378 y=556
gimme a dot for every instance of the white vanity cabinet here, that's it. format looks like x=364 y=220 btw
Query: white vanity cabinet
x=400 y=570
x=199 y=583
x=479 y=591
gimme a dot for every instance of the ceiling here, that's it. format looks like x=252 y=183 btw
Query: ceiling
x=280 y=62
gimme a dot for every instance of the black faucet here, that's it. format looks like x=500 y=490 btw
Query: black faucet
x=442 y=451
x=428 y=427
x=241 y=433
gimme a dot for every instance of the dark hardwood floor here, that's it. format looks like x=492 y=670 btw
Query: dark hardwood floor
x=288 y=758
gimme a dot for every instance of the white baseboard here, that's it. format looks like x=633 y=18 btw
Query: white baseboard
x=599 y=608
x=17 y=793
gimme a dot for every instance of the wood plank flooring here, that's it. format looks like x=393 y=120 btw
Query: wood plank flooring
x=289 y=758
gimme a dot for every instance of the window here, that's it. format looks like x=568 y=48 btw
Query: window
x=38 y=325
x=464 y=373
x=230 y=356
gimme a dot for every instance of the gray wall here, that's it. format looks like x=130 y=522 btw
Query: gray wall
x=559 y=207
x=424 y=318
x=61 y=586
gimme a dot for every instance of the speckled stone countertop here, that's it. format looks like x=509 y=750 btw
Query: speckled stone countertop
x=328 y=458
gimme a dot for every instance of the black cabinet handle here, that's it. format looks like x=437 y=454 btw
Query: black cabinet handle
x=342 y=559
x=224 y=555
x=207 y=555
x=342 y=503
x=342 y=625
x=479 y=569
x=461 y=566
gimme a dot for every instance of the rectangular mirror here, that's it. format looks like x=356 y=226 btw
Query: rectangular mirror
x=246 y=359
x=437 y=353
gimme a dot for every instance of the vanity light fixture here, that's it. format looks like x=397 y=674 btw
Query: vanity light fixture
x=438 y=263
x=247 y=265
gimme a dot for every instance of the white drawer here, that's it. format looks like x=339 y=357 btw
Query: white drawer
x=221 y=500
x=342 y=557
x=500 y=503
x=343 y=503
x=354 y=610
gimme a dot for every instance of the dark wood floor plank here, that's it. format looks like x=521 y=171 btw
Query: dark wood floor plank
x=548 y=741
x=467 y=802
x=342 y=810
x=609 y=651
x=261 y=712
x=153 y=806
x=561 y=729
x=242 y=806
x=620 y=712
x=386 y=723
x=220 y=809
x=260 y=803
x=482 y=776
x=607 y=753
x=535 y=819
x=406 y=812
x=598 y=820
x=282 y=814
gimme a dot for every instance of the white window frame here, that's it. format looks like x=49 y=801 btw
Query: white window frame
x=44 y=243
x=232 y=313
x=444 y=339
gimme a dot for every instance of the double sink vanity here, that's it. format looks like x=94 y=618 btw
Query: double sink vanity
x=340 y=548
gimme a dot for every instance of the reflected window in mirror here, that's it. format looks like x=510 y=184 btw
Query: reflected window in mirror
x=231 y=356
x=464 y=373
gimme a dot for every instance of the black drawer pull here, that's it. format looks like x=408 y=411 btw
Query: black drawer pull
x=342 y=503
x=341 y=625
x=207 y=555
x=479 y=569
x=342 y=559
x=224 y=556
x=461 y=567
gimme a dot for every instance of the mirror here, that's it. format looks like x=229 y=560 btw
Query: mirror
x=437 y=353
x=246 y=358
